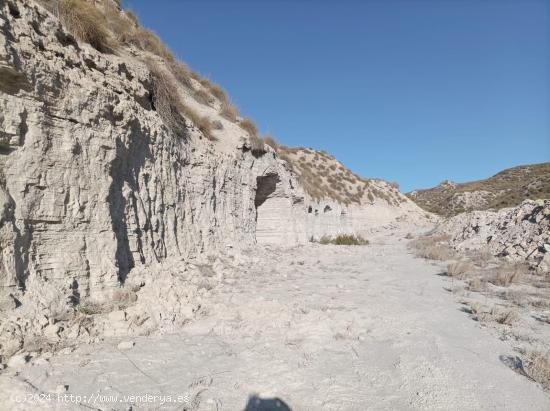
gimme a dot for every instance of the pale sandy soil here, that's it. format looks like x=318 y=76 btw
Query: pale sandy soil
x=320 y=327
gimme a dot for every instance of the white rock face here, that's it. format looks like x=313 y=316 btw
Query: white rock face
x=95 y=190
x=519 y=233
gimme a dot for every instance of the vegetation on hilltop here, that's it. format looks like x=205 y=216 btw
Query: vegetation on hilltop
x=108 y=28
x=505 y=189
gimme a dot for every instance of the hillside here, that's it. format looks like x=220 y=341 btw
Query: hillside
x=323 y=176
x=505 y=189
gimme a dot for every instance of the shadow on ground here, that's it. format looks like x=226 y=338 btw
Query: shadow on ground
x=514 y=363
x=256 y=403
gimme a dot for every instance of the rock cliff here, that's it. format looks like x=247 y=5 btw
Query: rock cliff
x=101 y=195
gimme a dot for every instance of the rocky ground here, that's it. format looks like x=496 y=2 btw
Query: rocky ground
x=319 y=327
x=519 y=234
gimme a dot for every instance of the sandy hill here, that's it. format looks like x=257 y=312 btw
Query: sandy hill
x=505 y=189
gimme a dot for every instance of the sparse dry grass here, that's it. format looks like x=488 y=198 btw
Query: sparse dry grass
x=477 y=284
x=537 y=366
x=339 y=184
x=121 y=299
x=342 y=239
x=229 y=111
x=203 y=123
x=432 y=248
x=218 y=92
x=181 y=72
x=132 y=17
x=166 y=101
x=203 y=97
x=507 y=274
x=485 y=314
x=458 y=269
x=169 y=106
x=120 y=24
x=147 y=40
x=106 y=26
x=257 y=145
x=248 y=125
x=87 y=23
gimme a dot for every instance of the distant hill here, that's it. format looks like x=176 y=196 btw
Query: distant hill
x=505 y=189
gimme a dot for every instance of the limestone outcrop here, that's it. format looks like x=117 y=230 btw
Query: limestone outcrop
x=519 y=234
x=103 y=207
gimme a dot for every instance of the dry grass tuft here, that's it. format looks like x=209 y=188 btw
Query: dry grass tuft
x=201 y=122
x=342 y=239
x=477 y=284
x=119 y=23
x=486 y=315
x=431 y=248
x=166 y=101
x=203 y=97
x=537 y=366
x=132 y=17
x=87 y=23
x=507 y=274
x=229 y=111
x=147 y=40
x=458 y=269
x=169 y=106
x=257 y=145
x=248 y=125
x=271 y=142
x=218 y=92
x=181 y=72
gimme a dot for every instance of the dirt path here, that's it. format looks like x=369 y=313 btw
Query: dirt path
x=322 y=328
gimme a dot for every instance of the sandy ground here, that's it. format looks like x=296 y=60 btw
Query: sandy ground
x=320 y=327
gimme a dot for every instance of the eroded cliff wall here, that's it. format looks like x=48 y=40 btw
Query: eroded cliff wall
x=96 y=192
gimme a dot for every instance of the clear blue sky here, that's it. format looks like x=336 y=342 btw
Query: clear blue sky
x=409 y=91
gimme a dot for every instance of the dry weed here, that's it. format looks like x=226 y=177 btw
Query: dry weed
x=487 y=315
x=248 y=125
x=537 y=366
x=169 y=106
x=342 y=239
x=431 y=248
x=203 y=97
x=87 y=23
x=507 y=274
x=181 y=72
x=458 y=269
x=229 y=111
x=147 y=40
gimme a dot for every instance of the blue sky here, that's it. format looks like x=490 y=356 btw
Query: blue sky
x=409 y=91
